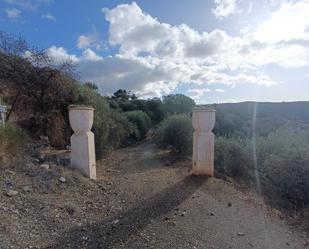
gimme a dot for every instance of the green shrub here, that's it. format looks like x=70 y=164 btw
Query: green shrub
x=287 y=180
x=141 y=121
x=110 y=126
x=278 y=164
x=12 y=141
x=175 y=132
x=120 y=130
x=284 y=159
x=232 y=158
x=177 y=104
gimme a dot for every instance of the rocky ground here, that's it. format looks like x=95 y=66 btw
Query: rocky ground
x=142 y=199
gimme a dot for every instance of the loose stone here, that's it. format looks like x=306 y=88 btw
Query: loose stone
x=44 y=166
x=27 y=188
x=11 y=193
x=62 y=179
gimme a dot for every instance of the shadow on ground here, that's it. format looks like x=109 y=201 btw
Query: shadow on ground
x=108 y=233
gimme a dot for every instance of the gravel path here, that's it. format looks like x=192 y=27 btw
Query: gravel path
x=168 y=208
x=144 y=199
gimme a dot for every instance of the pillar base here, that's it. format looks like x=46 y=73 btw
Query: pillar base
x=203 y=153
x=83 y=154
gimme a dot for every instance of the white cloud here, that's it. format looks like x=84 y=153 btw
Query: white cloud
x=161 y=56
x=275 y=3
x=90 y=40
x=218 y=90
x=250 y=7
x=90 y=55
x=59 y=55
x=224 y=8
x=31 y=5
x=114 y=72
x=83 y=41
x=229 y=101
x=198 y=93
x=49 y=16
x=13 y=13
x=155 y=57
x=291 y=21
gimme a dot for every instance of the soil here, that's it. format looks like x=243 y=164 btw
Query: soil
x=143 y=198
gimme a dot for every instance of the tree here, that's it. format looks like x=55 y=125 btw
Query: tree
x=36 y=89
x=121 y=99
x=177 y=103
x=155 y=110
x=13 y=67
x=32 y=77
x=91 y=86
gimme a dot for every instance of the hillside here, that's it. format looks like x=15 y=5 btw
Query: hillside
x=244 y=118
x=296 y=111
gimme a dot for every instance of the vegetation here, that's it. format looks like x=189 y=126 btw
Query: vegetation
x=39 y=90
x=297 y=111
x=141 y=120
x=177 y=103
x=175 y=132
x=111 y=129
x=89 y=96
x=277 y=164
x=12 y=141
x=36 y=88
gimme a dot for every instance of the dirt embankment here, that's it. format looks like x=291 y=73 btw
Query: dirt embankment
x=142 y=199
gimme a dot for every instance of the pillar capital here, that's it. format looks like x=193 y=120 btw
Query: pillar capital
x=81 y=118
x=203 y=119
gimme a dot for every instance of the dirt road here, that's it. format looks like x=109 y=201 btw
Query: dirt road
x=144 y=200
x=168 y=208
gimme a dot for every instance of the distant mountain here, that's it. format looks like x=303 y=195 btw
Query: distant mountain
x=296 y=111
x=261 y=117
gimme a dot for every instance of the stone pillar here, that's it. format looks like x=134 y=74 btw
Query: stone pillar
x=203 y=120
x=82 y=141
x=2 y=114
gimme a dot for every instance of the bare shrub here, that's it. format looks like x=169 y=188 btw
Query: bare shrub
x=12 y=141
x=57 y=130
x=33 y=84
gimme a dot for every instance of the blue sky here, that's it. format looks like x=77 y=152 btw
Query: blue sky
x=213 y=51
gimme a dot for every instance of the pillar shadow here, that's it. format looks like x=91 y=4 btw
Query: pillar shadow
x=105 y=234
